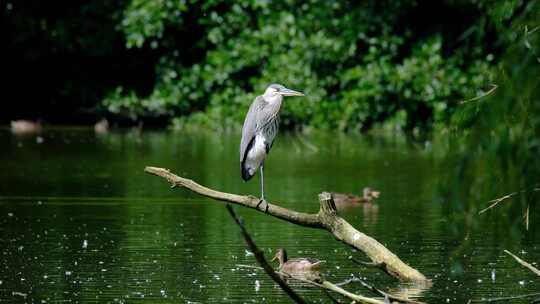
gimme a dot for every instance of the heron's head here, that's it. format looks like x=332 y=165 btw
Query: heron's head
x=277 y=89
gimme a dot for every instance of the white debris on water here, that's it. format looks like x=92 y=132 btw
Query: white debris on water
x=84 y=244
x=479 y=280
x=68 y=273
x=522 y=283
x=248 y=253
x=20 y=294
x=10 y=214
x=493 y=275
x=257 y=285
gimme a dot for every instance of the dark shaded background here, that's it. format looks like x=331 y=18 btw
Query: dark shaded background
x=61 y=57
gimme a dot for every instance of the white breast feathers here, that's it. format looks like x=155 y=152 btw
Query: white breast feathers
x=256 y=154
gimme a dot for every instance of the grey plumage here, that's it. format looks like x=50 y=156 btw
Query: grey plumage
x=260 y=129
x=262 y=118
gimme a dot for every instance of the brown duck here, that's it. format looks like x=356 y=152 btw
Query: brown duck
x=296 y=264
x=368 y=195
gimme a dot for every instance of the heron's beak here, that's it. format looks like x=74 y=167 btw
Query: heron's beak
x=289 y=92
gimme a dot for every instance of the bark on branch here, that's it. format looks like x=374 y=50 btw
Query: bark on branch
x=327 y=218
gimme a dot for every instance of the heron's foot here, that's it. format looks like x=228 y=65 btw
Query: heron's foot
x=262 y=202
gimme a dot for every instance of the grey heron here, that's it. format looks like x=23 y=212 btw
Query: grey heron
x=259 y=130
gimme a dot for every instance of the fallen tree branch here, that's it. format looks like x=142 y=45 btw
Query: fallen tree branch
x=522 y=262
x=326 y=218
x=259 y=256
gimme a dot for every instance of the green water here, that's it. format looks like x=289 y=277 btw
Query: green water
x=81 y=222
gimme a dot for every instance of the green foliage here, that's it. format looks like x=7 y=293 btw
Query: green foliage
x=359 y=63
x=497 y=136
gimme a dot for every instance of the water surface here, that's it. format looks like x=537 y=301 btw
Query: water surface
x=81 y=222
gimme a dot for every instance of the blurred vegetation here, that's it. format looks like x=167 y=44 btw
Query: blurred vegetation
x=361 y=63
x=497 y=137
x=404 y=64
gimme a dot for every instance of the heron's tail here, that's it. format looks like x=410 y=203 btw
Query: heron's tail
x=245 y=173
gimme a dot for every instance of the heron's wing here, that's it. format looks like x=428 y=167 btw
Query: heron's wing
x=268 y=122
x=250 y=126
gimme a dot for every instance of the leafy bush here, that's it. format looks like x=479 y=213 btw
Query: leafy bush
x=358 y=63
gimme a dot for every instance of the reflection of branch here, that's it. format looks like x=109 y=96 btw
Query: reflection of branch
x=522 y=262
x=259 y=256
x=505 y=197
x=306 y=143
x=493 y=88
x=381 y=293
x=325 y=285
x=327 y=218
x=333 y=287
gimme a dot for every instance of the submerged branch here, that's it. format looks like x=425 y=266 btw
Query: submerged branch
x=522 y=262
x=327 y=218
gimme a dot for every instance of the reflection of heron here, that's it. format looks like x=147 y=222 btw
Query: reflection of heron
x=260 y=129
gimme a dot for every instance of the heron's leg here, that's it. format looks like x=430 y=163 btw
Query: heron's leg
x=262 y=182
x=262 y=200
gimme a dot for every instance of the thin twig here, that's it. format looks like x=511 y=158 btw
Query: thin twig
x=527 y=218
x=504 y=298
x=497 y=201
x=259 y=256
x=505 y=197
x=378 y=291
x=493 y=88
x=522 y=262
